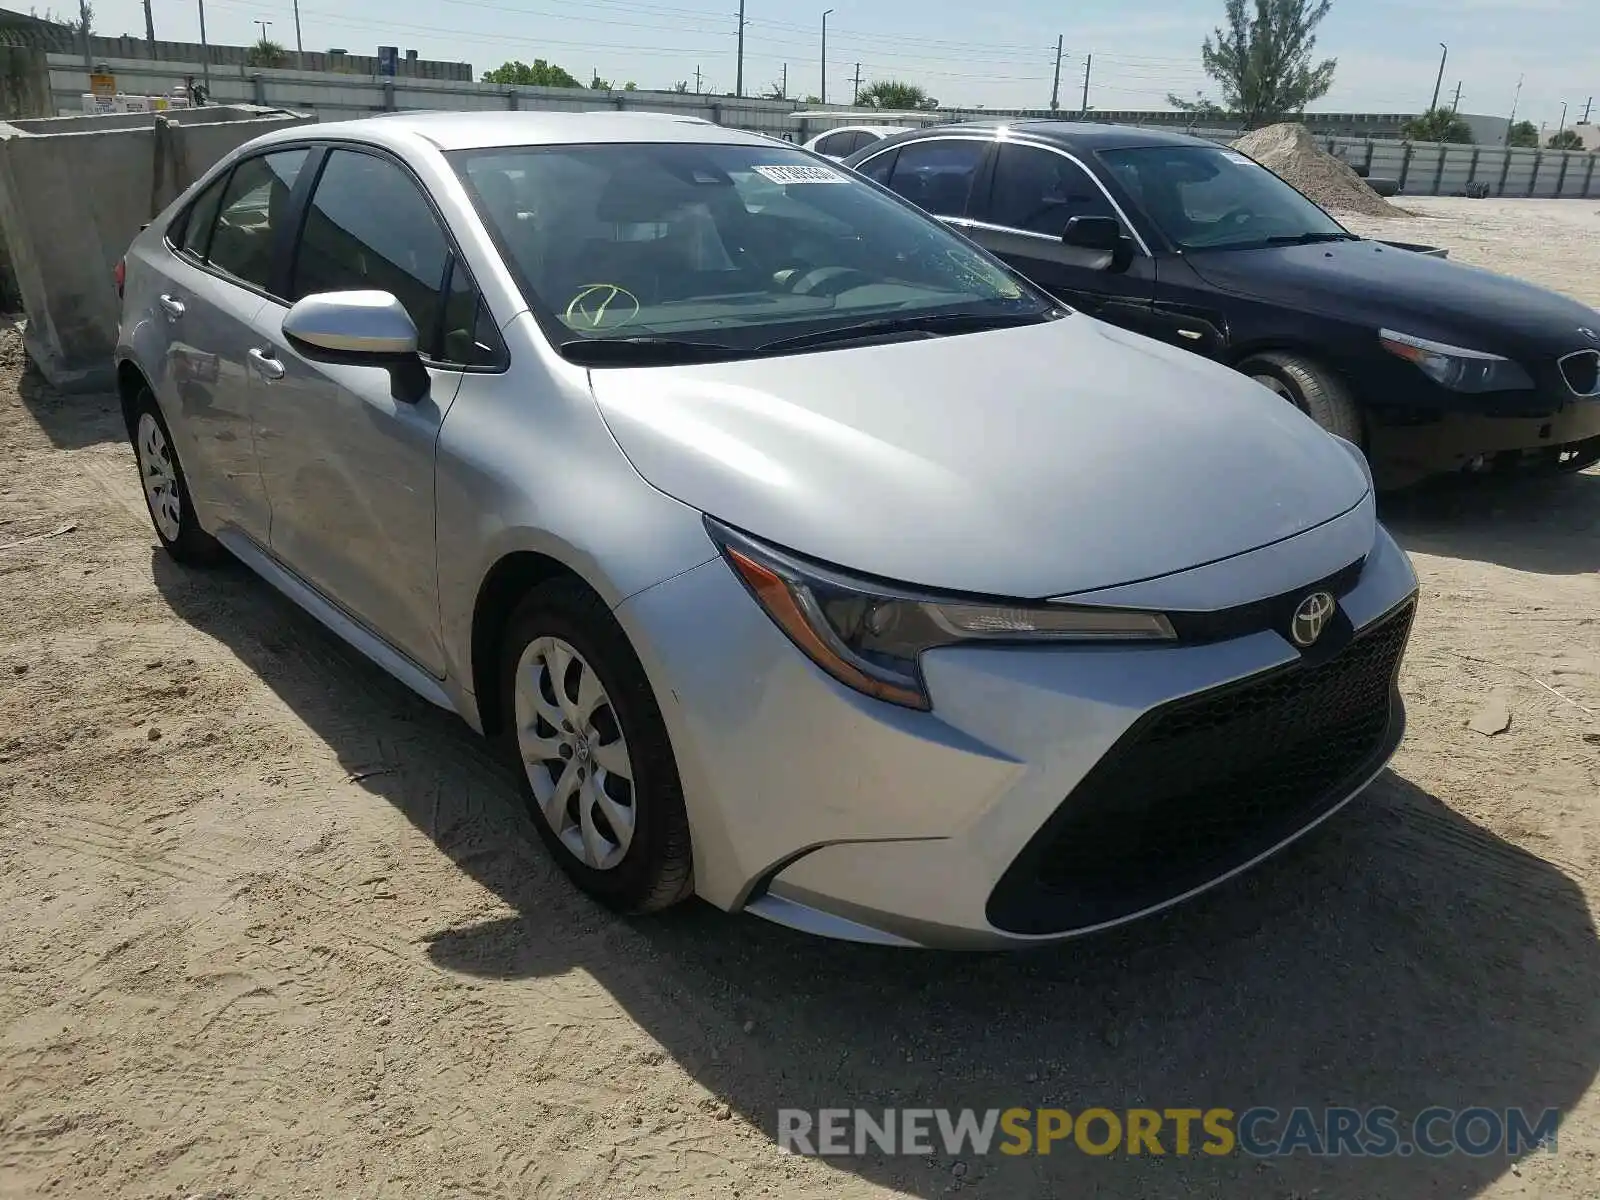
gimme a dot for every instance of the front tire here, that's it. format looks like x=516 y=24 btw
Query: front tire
x=166 y=488
x=591 y=751
x=1312 y=388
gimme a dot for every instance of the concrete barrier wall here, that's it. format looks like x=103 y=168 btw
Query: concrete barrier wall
x=332 y=96
x=74 y=191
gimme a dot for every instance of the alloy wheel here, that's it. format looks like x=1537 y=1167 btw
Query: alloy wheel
x=574 y=753
x=159 y=472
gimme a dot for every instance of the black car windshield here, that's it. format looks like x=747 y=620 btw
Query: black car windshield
x=1212 y=198
x=730 y=247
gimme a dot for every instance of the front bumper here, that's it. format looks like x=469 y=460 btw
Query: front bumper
x=1402 y=453
x=967 y=826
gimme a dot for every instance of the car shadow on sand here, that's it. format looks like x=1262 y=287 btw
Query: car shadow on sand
x=1544 y=523
x=1400 y=956
x=71 y=422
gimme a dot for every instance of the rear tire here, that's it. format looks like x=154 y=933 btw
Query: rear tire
x=1312 y=388
x=594 y=764
x=166 y=488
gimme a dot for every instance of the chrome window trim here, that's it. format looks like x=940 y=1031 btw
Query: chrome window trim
x=1003 y=136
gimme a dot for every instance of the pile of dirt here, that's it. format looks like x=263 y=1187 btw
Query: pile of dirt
x=1289 y=152
x=12 y=354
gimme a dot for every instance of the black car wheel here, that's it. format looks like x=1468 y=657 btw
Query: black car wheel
x=1312 y=388
x=591 y=751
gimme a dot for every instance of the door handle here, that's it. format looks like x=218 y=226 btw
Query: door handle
x=270 y=367
x=173 y=308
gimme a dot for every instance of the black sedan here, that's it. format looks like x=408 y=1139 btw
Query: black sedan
x=1427 y=363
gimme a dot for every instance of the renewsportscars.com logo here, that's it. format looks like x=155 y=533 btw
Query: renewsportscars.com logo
x=1260 y=1132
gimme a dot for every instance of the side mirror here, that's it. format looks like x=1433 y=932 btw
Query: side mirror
x=1093 y=233
x=352 y=323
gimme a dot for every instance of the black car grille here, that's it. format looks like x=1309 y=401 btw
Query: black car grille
x=1205 y=784
x=1582 y=372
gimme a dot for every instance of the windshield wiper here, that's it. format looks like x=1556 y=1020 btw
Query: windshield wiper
x=1310 y=239
x=934 y=323
x=643 y=351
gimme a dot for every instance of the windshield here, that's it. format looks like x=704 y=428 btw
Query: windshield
x=1211 y=198
x=728 y=245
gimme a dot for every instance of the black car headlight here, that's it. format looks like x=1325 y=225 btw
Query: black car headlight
x=870 y=635
x=1454 y=367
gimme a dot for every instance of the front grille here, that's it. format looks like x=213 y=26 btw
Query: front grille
x=1205 y=784
x=1582 y=372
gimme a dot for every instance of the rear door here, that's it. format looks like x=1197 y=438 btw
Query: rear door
x=213 y=286
x=1032 y=194
x=347 y=456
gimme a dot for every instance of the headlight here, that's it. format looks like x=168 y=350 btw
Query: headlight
x=870 y=635
x=1456 y=368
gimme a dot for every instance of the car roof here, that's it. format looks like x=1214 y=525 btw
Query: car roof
x=886 y=130
x=1081 y=135
x=482 y=130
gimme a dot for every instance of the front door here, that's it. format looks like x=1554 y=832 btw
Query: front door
x=346 y=455
x=1033 y=192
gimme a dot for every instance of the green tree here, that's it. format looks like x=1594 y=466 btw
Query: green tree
x=1567 y=139
x=540 y=74
x=630 y=86
x=1438 y=125
x=893 y=94
x=1523 y=133
x=1262 y=60
x=266 y=53
x=72 y=20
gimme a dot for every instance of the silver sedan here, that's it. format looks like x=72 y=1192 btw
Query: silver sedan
x=797 y=553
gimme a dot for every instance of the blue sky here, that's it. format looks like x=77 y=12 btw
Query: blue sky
x=998 y=53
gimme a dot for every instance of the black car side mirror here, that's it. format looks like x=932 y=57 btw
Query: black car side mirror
x=1093 y=233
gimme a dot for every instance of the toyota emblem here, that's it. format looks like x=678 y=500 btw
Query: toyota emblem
x=1311 y=618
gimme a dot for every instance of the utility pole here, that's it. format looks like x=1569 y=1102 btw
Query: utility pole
x=1512 y=119
x=1440 y=79
x=1055 y=86
x=205 y=51
x=823 y=98
x=783 y=88
x=738 y=79
x=1455 y=105
x=856 y=98
x=149 y=24
x=1587 y=106
x=1562 y=128
x=1088 y=63
x=697 y=79
x=299 y=46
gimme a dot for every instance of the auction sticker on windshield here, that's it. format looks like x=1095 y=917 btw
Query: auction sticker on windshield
x=800 y=174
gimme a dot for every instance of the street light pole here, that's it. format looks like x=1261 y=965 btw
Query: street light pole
x=1437 y=82
x=205 y=51
x=824 y=96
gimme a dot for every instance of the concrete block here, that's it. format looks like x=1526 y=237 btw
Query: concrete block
x=74 y=191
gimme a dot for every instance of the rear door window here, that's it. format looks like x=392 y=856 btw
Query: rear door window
x=937 y=175
x=254 y=206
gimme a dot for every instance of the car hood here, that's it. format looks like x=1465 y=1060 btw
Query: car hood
x=1415 y=293
x=1027 y=462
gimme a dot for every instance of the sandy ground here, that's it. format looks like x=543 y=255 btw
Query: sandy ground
x=267 y=928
